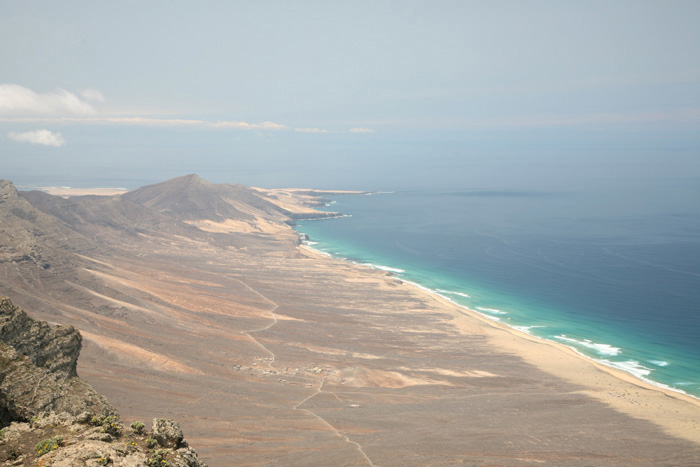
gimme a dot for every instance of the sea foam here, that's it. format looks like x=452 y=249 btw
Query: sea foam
x=383 y=268
x=453 y=293
x=526 y=329
x=602 y=349
x=630 y=366
x=491 y=310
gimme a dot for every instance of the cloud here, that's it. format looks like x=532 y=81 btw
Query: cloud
x=150 y=122
x=18 y=100
x=44 y=137
x=93 y=95
x=247 y=126
x=22 y=105
x=361 y=130
x=310 y=130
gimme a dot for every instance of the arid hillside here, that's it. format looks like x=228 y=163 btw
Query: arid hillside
x=197 y=302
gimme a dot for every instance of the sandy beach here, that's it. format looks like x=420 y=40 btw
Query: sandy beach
x=677 y=413
x=67 y=192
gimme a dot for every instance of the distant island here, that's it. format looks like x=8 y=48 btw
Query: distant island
x=199 y=303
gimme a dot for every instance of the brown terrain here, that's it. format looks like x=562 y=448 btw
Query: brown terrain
x=197 y=302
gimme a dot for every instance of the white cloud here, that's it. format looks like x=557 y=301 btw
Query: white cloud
x=18 y=100
x=361 y=130
x=247 y=126
x=93 y=95
x=22 y=105
x=310 y=130
x=151 y=122
x=44 y=137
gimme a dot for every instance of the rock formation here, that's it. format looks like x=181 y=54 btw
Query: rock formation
x=48 y=412
x=38 y=369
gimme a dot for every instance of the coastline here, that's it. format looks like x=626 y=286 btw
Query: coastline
x=268 y=350
x=67 y=192
x=676 y=412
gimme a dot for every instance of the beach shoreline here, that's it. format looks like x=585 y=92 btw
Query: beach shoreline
x=676 y=412
x=67 y=192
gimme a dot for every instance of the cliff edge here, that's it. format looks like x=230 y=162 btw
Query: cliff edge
x=49 y=416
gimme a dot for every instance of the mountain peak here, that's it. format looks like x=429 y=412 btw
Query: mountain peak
x=190 y=178
x=189 y=197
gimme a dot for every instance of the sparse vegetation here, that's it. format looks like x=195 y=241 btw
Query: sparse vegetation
x=151 y=443
x=158 y=459
x=97 y=420
x=48 y=445
x=137 y=427
x=112 y=426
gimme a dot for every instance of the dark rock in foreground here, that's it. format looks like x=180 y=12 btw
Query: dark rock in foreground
x=48 y=412
x=38 y=369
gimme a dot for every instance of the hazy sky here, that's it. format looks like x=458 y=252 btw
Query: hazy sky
x=349 y=93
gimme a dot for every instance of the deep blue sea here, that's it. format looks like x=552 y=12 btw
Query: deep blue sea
x=612 y=272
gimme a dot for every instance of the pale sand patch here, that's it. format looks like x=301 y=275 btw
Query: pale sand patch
x=288 y=201
x=287 y=318
x=365 y=356
x=67 y=192
x=318 y=349
x=357 y=377
x=131 y=353
x=678 y=414
x=468 y=374
x=109 y=265
x=257 y=225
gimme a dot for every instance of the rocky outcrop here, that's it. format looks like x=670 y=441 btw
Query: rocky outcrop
x=168 y=433
x=48 y=412
x=55 y=348
x=65 y=441
x=169 y=436
x=38 y=369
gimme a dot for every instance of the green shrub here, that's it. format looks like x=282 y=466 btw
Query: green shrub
x=137 y=427
x=97 y=420
x=48 y=445
x=157 y=459
x=112 y=426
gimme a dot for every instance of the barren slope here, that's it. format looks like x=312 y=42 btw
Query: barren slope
x=268 y=353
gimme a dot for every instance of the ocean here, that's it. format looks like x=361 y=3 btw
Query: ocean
x=612 y=272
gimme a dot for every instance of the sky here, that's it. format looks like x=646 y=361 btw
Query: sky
x=366 y=95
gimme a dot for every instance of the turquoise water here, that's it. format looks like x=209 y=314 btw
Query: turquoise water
x=614 y=275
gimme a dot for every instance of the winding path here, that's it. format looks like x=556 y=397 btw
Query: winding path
x=318 y=390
